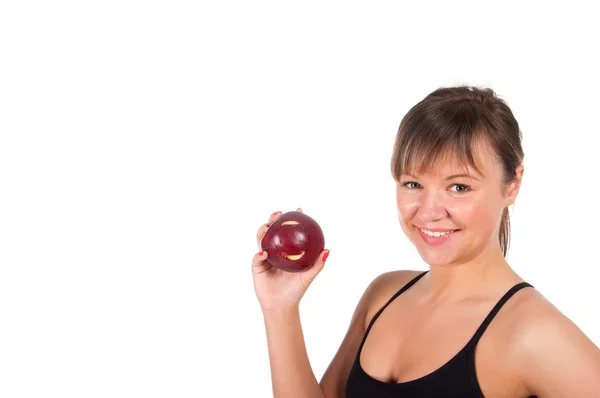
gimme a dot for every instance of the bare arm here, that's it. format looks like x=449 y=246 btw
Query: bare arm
x=556 y=359
x=291 y=373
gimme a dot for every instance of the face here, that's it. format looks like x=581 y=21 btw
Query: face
x=469 y=207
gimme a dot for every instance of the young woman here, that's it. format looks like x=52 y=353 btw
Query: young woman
x=470 y=326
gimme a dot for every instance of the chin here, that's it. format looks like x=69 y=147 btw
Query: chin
x=437 y=257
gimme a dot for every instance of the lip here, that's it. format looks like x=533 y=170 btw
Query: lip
x=436 y=241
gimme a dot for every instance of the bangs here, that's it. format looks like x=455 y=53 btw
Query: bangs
x=423 y=156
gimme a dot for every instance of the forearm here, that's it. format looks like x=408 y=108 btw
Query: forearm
x=291 y=373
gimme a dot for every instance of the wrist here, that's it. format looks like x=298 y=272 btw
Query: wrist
x=281 y=313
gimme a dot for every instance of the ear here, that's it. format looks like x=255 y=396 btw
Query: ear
x=513 y=188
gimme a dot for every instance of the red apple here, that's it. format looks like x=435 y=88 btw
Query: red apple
x=293 y=242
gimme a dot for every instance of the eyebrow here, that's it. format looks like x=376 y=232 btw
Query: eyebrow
x=452 y=176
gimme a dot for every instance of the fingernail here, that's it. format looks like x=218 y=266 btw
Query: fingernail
x=277 y=212
x=325 y=256
x=261 y=253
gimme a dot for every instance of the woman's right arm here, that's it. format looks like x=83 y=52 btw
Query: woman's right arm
x=279 y=294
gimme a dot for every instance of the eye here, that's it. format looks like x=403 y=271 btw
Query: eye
x=465 y=187
x=408 y=182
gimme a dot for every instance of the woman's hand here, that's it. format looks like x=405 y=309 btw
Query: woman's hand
x=277 y=289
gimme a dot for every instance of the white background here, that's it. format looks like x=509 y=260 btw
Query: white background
x=143 y=143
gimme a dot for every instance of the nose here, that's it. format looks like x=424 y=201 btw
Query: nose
x=432 y=207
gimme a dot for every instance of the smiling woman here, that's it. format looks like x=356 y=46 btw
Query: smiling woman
x=470 y=326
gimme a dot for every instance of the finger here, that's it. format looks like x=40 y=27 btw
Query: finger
x=263 y=228
x=259 y=264
x=260 y=234
x=273 y=217
x=310 y=274
x=300 y=210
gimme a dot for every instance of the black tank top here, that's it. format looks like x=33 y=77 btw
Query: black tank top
x=456 y=378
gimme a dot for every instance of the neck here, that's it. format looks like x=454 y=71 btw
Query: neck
x=457 y=282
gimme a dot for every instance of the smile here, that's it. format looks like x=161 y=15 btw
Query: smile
x=436 y=238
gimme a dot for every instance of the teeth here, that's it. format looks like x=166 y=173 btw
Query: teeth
x=436 y=234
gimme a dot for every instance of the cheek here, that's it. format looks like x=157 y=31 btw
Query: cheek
x=407 y=206
x=465 y=211
x=476 y=215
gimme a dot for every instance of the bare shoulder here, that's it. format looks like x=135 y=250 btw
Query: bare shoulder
x=384 y=287
x=533 y=314
x=548 y=352
x=535 y=320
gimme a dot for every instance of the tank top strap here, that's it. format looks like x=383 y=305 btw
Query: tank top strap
x=495 y=311
x=399 y=292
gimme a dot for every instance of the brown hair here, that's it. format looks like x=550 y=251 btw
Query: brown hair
x=451 y=121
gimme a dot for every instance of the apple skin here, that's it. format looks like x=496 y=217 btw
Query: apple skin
x=293 y=242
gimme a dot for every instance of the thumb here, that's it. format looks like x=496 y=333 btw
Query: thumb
x=310 y=274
